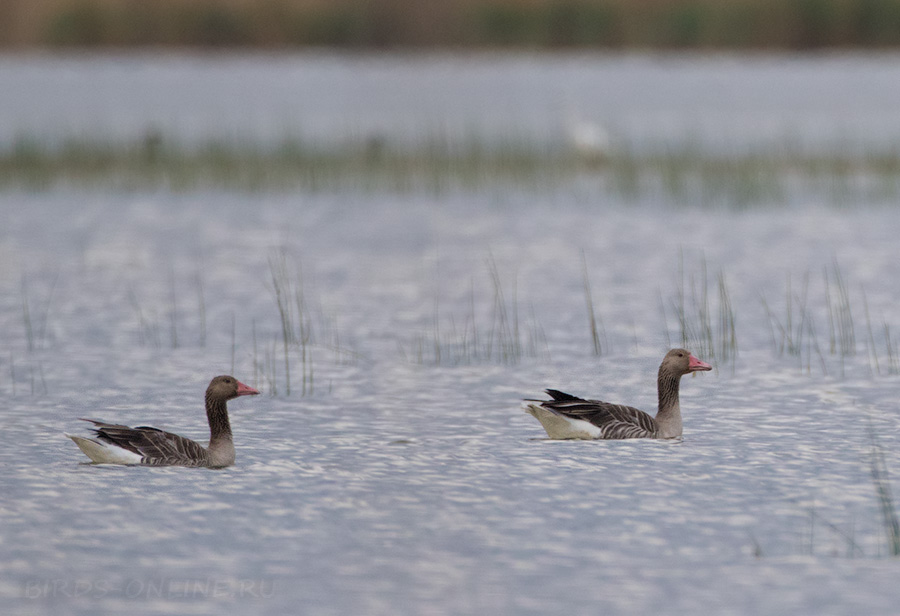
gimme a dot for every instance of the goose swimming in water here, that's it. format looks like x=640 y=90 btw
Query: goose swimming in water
x=569 y=417
x=118 y=444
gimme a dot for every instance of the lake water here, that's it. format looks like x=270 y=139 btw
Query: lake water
x=402 y=477
x=731 y=103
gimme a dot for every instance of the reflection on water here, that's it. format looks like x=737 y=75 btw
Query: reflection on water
x=407 y=480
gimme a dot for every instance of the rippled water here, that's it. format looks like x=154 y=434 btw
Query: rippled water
x=407 y=483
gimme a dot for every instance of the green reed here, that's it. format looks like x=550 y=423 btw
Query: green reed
x=36 y=329
x=682 y=174
x=504 y=337
x=589 y=301
x=709 y=329
x=173 y=312
x=842 y=334
x=201 y=312
x=281 y=287
x=148 y=329
x=796 y=334
x=880 y=479
x=816 y=518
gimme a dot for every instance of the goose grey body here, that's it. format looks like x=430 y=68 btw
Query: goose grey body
x=118 y=444
x=570 y=417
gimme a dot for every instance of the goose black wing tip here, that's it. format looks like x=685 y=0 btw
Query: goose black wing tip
x=560 y=395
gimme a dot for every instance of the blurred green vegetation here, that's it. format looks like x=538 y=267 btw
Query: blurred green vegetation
x=727 y=24
x=684 y=175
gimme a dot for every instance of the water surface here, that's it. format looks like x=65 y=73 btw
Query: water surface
x=406 y=480
x=728 y=103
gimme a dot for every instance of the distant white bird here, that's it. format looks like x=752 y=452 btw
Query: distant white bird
x=589 y=138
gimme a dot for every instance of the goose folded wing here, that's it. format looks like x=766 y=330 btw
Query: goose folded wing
x=616 y=421
x=155 y=446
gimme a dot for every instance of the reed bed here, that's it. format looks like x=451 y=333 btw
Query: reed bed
x=682 y=175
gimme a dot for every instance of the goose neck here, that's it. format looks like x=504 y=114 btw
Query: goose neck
x=668 y=418
x=217 y=415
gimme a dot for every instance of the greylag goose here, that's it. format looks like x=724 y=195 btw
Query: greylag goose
x=117 y=444
x=568 y=417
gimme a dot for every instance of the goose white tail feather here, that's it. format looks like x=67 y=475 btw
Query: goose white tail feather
x=562 y=427
x=102 y=453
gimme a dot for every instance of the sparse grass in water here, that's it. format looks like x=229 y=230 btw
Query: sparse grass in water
x=502 y=340
x=504 y=329
x=148 y=330
x=893 y=364
x=842 y=336
x=795 y=335
x=872 y=351
x=885 y=499
x=201 y=313
x=296 y=319
x=35 y=333
x=38 y=388
x=708 y=337
x=173 y=312
x=233 y=341
x=589 y=300
x=255 y=355
x=281 y=287
x=853 y=548
x=728 y=345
